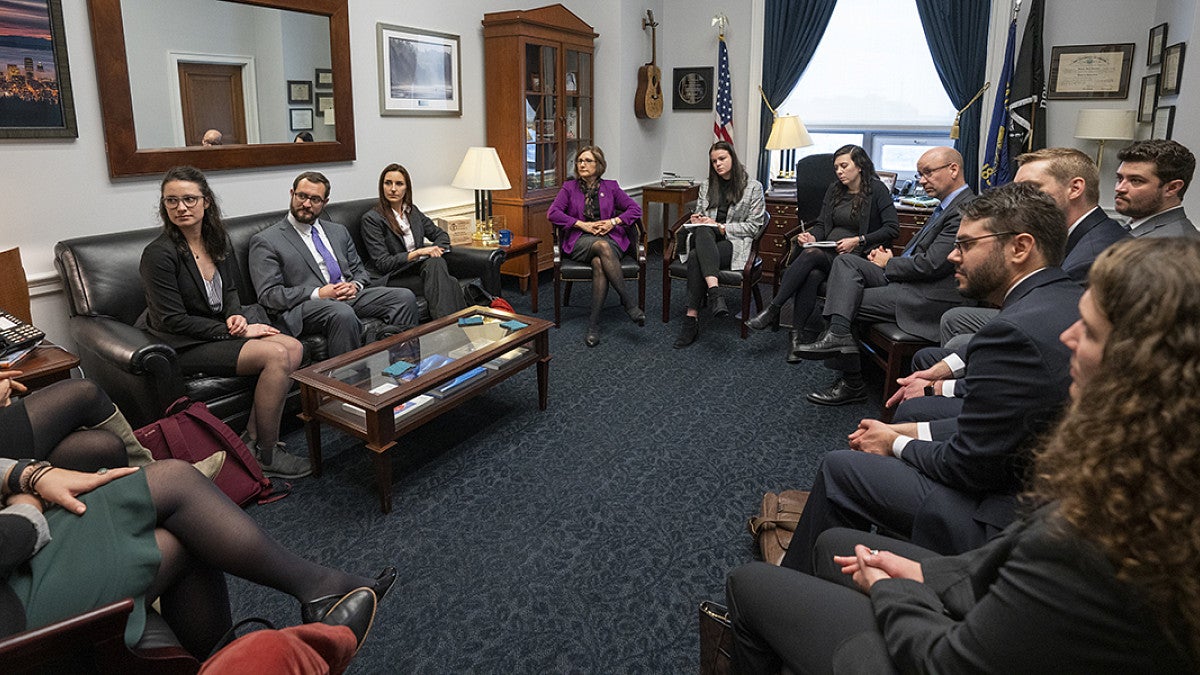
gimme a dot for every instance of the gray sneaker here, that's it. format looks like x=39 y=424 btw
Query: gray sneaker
x=283 y=464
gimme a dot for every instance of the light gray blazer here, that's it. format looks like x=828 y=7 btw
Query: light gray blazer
x=285 y=273
x=1173 y=223
x=744 y=222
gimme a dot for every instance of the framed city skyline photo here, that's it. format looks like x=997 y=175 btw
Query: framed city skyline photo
x=419 y=72
x=35 y=85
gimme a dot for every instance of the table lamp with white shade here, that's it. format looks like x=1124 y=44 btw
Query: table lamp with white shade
x=1105 y=124
x=787 y=133
x=482 y=172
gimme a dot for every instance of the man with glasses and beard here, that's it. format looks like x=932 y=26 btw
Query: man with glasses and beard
x=949 y=485
x=308 y=275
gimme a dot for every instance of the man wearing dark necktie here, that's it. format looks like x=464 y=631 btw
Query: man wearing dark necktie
x=911 y=290
x=308 y=275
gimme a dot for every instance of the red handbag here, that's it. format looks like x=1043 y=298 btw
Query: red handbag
x=191 y=433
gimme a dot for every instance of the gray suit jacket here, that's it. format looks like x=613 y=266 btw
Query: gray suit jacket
x=285 y=273
x=1173 y=223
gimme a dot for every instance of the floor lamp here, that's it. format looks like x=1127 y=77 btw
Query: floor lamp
x=1105 y=124
x=482 y=172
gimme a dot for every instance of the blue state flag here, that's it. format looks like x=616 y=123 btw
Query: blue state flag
x=995 y=170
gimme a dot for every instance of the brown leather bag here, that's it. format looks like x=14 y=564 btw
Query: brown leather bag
x=716 y=639
x=774 y=526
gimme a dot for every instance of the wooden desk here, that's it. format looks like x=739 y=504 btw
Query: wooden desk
x=679 y=196
x=45 y=365
x=522 y=246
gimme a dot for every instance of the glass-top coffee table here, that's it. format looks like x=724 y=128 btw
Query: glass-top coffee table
x=385 y=389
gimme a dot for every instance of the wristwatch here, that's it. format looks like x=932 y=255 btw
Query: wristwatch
x=929 y=390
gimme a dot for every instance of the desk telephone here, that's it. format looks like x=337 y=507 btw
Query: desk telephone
x=16 y=334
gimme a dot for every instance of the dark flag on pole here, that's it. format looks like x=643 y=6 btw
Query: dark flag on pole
x=1027 y=100
x=995 y=167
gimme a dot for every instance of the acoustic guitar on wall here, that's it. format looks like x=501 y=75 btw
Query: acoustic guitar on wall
x=648 y=102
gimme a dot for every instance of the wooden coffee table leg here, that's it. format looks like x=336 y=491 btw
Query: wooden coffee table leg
x=533 y=279
x=383 y=479
x=312 y=430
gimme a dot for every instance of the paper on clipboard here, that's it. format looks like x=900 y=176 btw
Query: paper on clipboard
x=821 y=244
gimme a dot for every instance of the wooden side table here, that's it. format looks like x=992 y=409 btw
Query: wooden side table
x=679 y=196
x=45 y=365
x=522 y=246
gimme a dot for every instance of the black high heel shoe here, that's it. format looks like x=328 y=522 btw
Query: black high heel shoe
x=316 y=609
x=636 y=315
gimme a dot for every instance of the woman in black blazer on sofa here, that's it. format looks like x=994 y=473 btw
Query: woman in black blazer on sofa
x=1100 y=576
x=857 y=215
x=404 y=247
x=190 y=278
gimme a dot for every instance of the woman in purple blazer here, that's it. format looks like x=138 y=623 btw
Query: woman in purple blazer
x=596 y=221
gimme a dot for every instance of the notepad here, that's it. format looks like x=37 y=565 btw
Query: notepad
x=397 y=368
x=821 y=244
x=513 y=324
x=475 y=320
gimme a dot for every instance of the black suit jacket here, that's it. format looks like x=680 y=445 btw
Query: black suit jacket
x=385 y=254
x=1017 y=383
x=177 y=309
x=1037 y=599
x=1090 y=237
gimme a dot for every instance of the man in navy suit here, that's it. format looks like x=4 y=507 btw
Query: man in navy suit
x=308 y=275
x=912 y=289
x=951 y=486
x=1151 y=181
x=1071 y=180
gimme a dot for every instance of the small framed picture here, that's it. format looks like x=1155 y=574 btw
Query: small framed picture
x=302 y=119
x=692 y=88
x=1158 y=40
x=323 y=78
x=572 y=83
x=299 y=91
x=547 y=130
x=1164 y=122
x=1149 y=99
x=1172 y=69
x=324 y=103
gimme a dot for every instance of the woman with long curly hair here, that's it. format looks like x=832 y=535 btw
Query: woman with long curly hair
x=1102 y=575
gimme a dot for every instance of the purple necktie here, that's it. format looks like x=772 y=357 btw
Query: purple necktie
x=331 y=263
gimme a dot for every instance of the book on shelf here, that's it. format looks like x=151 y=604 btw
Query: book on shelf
x=401 y=409
x=449 y=387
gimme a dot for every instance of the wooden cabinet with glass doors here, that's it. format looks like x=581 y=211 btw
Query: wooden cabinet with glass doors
x=538 y=68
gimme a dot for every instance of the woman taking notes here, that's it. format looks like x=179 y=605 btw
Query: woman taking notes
x=190 y=278
x=595 y=218
x=857 y=215
x=730 y=212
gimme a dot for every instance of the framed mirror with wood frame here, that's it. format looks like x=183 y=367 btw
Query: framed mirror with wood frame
x=125 y=158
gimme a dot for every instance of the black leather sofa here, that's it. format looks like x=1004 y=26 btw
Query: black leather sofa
x=140 y=373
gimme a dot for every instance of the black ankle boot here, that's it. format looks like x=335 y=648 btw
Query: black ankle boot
x=689 y=330
x=717 y=303
x=636 y=314
x=768 y=318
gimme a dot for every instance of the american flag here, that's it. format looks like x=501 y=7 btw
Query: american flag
x=723 y=115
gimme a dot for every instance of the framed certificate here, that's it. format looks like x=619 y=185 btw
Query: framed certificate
x=1149 y=99
x=1164 y=122
x=1172 y=69
x=299 y=91
x=1090 y=71
x=1158 y=41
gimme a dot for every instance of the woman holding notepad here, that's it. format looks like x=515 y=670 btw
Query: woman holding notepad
x=857 y=216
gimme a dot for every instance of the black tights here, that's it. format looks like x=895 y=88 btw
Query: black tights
x=708 y=252
x=606 y=271
x=203 y=535
x=57 y=415
x=802 y=283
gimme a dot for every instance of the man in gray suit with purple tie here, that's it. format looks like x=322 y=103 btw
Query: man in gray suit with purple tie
x=308 y=275
x=911 y=290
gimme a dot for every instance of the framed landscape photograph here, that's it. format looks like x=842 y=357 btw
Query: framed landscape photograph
x=1090 y=71
x=1158 y=40
x=1172 y=70
x=1149 y=100
x=419 y=72
x=35 y=88
x=302 y=119
x=299 y=91
x=1164 y=122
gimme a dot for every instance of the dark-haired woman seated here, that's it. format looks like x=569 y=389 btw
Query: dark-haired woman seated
x=731 y=212
x=76 y=541
x=190 y=279
x=404 y=247
x=857 y=216
x=1099 y=577
x=595 y=218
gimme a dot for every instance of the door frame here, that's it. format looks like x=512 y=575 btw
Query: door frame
x=249 y=90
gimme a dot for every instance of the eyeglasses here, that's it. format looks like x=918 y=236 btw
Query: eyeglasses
x=187 y=200
x=585 y=160
x=926 y=173
x=964 y=245
x=305 y=197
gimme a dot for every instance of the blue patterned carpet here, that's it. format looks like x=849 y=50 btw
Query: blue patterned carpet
x=576 y=540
